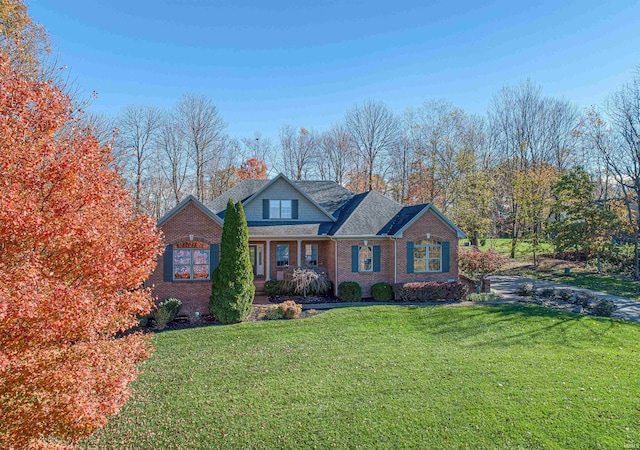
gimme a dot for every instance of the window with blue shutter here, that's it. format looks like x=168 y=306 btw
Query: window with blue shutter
x=409 y=257
x=167 y=263
x=446 y=257
x=376 y=258
x=354 y=257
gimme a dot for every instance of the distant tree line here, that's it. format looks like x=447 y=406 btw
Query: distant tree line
x=493 y=174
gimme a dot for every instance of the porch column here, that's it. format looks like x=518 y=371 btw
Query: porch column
x=267 y=275
x=299 y=252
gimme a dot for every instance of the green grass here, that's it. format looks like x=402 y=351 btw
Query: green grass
x=603 y=283
x=509 y=376
x=523 y=248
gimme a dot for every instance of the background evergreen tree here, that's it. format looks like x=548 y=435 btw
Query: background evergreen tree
x=232 y=286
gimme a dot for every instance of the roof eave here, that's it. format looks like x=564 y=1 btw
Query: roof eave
x=459 y=233
x=176 y=209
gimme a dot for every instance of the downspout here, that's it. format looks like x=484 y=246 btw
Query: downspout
x=335 y=260
x=395 y=260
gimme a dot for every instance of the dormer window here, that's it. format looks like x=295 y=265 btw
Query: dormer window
x=280 y=209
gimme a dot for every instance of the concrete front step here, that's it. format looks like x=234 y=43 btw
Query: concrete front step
x=260 y=300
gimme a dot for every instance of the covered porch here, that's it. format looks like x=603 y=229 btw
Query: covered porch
x=272 y=258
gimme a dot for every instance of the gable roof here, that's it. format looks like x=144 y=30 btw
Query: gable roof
x=184 y=203
x=281 y=176
x=348 y=214
x=365 y=215
x=240 y=192
x=410 y=214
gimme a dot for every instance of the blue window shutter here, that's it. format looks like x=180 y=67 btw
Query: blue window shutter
x=167 y=263
x=214 y=257
x=265 y=208
x=409 y=257
x=294 y=209
x=376 y=258
x=354 y=258
x=445 y=257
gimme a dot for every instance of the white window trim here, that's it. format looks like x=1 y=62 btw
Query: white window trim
x=191 y=278
x=426 y=257
x=370 y=247
x=280 y=208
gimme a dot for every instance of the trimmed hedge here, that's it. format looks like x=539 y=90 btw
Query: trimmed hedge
x=430 y=291
x=382 y=292
x=272 y=288
x=349 y=291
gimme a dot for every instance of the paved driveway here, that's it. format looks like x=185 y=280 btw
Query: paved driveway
x=507 y=287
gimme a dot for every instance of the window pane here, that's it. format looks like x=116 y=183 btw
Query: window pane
x=181 y=257
x=285 y=211
x=419 y=265
x=419 y=252
x=201 y=271
x=434 y=265
x=181 y=272
x=274 y=209
x=434 y=252
x=200 y=257
x=365 y=262
x=311 y=254
x=282 y=255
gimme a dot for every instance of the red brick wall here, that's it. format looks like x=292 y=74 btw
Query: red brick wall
x=365 y=279
x=193 y=294
x=428 y=223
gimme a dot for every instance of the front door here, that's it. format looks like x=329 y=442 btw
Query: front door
x=252 y=256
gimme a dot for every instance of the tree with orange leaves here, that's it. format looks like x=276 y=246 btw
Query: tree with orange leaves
x=73 y=257
x=253 y=169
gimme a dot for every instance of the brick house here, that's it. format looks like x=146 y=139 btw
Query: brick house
x=365 y=238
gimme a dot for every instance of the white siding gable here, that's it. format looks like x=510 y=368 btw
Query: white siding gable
x=282 y=190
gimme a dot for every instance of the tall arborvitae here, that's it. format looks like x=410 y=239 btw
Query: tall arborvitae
x=232 y=282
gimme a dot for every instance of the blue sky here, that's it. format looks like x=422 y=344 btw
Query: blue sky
x=266 y=64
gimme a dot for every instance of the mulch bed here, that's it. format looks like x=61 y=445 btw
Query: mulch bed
x=257 y=313
x=308 y=300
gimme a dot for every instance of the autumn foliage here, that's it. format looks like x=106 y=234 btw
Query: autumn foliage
x=253 y=169
x=478 y=264
x=72 y=261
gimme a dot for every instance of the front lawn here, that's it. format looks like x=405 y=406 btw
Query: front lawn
x=504 y=376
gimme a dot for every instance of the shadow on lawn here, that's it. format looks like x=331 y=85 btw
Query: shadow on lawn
x=515 y=324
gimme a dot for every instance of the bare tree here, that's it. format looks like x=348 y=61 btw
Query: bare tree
x=620 y=149
x=529 y=132
x=203 y=129
x=174 y=159
x=299 y=149
x=374 y=132
x=258 y=146
x=138 y=127
x=335 y=154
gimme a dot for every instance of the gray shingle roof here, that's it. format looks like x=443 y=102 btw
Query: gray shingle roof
x=328 y=194
x=366 y=214
x=402 y=218
x=239 y=192
x=284 y=229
